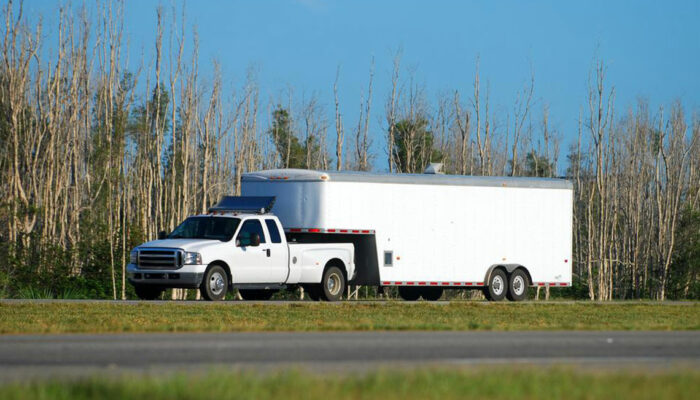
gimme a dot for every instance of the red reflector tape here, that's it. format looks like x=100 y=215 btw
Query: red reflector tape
x=433 y=283
x=365 y=231
x=562 y=284
x=355 y=231
x=445 y=283
x=410 y=283
x=330 y=230
x=295 y=230
x=552 y=283
x=421 y=283
x=314 y=230
x=386 y=283
x=458 y=283
x=480 y=284
x=397 y=283
x=343 y=231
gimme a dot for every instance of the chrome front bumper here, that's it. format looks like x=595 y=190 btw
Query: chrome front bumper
x=189 y=276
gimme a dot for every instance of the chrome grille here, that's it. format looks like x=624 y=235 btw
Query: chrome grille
x=160 y=258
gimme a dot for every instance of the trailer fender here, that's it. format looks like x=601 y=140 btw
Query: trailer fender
x=509 y=268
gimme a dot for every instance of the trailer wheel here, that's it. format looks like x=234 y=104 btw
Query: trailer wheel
x=497 y=286
x=215 y=283
x=432 y=293
x=409 y=293
x=146 y=292
x=332 y=284
x=256 y=294
x=517 y=286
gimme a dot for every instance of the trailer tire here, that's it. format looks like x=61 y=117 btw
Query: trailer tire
x=332 y=284
x=432 y=293
x=215 y=283
x=409 y=293
x=517 y=285
x=256 y=294
x=497 y=286
x=147 y=292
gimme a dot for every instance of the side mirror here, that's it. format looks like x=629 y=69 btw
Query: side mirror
x=162 y=235
x=255 y=240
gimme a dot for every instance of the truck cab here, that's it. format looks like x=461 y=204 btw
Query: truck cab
x=243 y=247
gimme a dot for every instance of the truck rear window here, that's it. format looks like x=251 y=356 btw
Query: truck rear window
x=274 y=232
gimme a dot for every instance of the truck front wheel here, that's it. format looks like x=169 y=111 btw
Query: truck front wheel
x=332 y=284
x=215 y=283
x=145 y=292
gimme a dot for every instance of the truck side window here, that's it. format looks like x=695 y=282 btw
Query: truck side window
x=249 y=227
x=274 y=232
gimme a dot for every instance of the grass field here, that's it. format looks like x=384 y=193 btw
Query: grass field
x=67 y=317
x=499 y=383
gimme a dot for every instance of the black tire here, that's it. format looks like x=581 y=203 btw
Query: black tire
x=332 y=284
x=497 y=286
x=517 y=285
x=432 y=293
x=256 y=294
x=313 y=291
x=409 y=293
x=215 y=283
x=145 y=292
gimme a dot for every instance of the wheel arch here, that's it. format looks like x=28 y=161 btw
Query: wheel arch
x=226 y=268
x=337 y=262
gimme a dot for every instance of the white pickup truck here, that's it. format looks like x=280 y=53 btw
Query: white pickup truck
x=239 y=244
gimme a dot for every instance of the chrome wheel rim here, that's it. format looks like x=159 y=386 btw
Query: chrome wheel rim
x=216 y=283
x=497 y=285
x=333 y=284
x=518 y=285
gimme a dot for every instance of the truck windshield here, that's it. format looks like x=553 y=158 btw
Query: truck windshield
x=214 y=228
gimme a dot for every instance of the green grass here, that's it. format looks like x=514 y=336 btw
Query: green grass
x=443 y=384
x=67 y=317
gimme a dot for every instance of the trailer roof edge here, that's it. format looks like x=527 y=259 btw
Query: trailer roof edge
x=304 y=175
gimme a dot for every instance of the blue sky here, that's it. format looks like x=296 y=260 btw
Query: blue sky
x=652 y=48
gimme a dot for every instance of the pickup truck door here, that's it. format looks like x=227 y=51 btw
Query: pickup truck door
x=277 y=253
x=251 y=263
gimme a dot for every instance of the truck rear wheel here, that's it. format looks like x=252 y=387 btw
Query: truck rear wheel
x=409 y=293
x=497 y=286
x=145 y=292
x=215 y=283
x=256 y=294
x=432 y=293
x=517 y=286
x=332 y=284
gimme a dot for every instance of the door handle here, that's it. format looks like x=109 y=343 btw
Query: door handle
x=267 y=251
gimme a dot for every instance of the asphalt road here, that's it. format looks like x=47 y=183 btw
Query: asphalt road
x=23 y=356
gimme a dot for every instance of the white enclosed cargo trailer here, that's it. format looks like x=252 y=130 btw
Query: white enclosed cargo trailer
x=417 y=232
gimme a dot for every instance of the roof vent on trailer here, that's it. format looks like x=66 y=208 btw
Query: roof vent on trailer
x=433 y=169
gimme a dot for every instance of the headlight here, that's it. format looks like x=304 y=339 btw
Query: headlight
x=134 y=257
x=193 y=258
